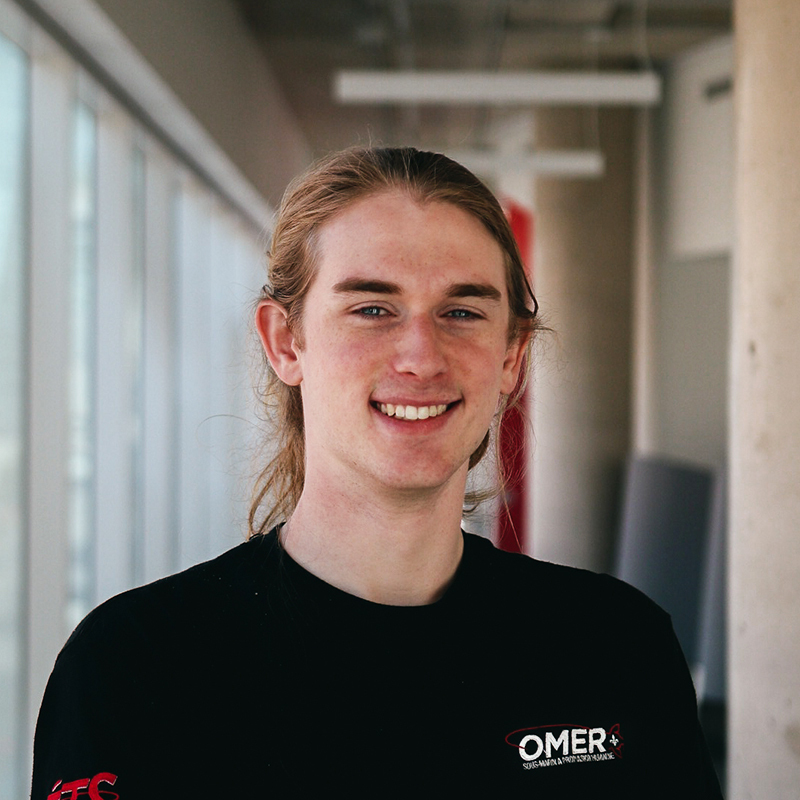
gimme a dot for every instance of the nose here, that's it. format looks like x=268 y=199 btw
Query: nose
x=419 y=348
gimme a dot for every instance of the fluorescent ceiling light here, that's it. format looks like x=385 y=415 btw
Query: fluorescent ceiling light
x=561 y=163
x=498 y=88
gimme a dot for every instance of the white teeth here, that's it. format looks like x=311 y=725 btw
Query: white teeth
x=412 y=412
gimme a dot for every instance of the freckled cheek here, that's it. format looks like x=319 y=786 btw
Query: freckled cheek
x=484 y=361
x=343 y=363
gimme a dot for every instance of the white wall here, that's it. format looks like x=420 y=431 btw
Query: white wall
x=693 y=324
x=685 y=326
x=698 y=141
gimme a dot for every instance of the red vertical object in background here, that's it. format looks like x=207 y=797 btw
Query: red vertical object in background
x=512 y=520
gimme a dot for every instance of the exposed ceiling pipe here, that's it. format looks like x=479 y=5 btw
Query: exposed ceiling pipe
x=498 y=88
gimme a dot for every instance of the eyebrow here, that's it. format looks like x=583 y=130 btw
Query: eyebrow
x=482 y=290
x=368 y=286
x=365 y=285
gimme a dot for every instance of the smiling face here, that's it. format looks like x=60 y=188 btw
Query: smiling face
x=403 y=352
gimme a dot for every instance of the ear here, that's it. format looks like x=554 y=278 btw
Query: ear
x=512 y=363
x=278 y=341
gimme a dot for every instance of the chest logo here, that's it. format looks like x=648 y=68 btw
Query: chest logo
x=556 y=745
x=83 y=787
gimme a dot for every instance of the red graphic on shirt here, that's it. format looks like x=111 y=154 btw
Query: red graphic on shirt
x=85 y=787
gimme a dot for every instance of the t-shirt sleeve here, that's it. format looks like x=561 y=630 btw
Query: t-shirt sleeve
x=677 y=706
x=86 y=734
x=677 y=762
x=75 y=731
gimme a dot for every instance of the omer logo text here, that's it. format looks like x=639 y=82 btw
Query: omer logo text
x=557 y=745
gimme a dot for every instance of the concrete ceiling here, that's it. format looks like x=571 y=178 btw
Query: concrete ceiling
x=308 y=41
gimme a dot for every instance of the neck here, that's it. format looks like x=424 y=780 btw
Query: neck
x=396 y=549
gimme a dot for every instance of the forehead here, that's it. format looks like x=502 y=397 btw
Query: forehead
x=396 y=235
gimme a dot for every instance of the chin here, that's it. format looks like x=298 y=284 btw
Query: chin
x=423 y=480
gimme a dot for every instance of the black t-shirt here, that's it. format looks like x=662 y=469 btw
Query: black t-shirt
x=247 y=676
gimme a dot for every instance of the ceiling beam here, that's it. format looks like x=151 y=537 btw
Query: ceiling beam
x=497 y=88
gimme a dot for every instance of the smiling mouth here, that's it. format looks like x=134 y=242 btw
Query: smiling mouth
x=411 y=412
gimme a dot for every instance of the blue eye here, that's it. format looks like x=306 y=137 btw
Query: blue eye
x=461 y=313
x=371 y=311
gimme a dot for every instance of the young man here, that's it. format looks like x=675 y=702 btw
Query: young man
x=365 y=644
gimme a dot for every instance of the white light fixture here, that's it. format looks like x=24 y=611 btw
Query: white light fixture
x=558 y=163
x=498 y=88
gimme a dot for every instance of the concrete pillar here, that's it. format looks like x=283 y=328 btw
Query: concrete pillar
x=582 y=274
x=764 y=720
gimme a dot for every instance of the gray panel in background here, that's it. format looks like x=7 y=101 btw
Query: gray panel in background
x=662 y=547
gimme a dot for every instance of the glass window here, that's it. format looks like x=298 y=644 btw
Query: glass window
x=126 y=273
x=82 y=365
x=13 y=202
x=134 y=353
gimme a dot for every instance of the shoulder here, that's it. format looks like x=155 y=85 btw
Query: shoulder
x=524 y=580
x=578 y=616
x=182 y=602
